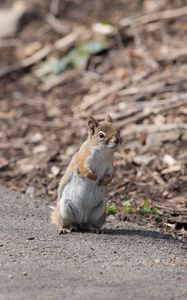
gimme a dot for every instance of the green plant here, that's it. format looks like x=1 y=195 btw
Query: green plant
x=129 y=207
x=77 y=58
x=112 y=209
x=148 y=209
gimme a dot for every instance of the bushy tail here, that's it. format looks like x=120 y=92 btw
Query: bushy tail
x=56 y=217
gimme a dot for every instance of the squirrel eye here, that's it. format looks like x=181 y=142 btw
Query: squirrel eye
x=101 y=135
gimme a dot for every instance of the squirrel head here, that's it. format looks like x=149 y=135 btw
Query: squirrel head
x=103 y=134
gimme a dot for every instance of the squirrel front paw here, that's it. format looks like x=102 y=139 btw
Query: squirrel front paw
x=87 y=172
x=105 y=181
x=92 y=176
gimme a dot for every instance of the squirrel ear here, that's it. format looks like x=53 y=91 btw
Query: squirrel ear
x=108 y=118
x=92 y=124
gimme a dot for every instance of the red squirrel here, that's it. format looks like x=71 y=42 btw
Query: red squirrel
x=81 y=192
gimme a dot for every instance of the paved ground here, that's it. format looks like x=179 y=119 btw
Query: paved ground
x=126 y=263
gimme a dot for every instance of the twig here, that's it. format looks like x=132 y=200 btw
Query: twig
x=149 y=107
x=181 y=211
x=135 y=129
x=154 y=103
x=143 y=89
x=46 y=124
x=175 y=168
x=148 y=60
x=10 y=43
x=152 y=17
x=133 y=119
x=53 y=81
x=127 y=59
x=178 y=54
x=134 y=114
x=61 y=44
x=55 y=24
x=90 y=100
x=54 y=7
x=158 y=179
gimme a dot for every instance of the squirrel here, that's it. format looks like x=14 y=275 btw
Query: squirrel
x=81 y=192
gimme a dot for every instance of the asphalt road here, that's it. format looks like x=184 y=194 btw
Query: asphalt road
x=128 y=262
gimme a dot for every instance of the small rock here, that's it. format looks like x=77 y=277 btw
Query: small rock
x=159 y=119
x=165 y=193
x=26 y=168
x=169 y=160
x=70 y=151
x=55 y=170
x=40 y=149
x=53 y=112
x=30 y=191
x=36 y=137
x=105 y=29
x=25 y=273
x=31 y=238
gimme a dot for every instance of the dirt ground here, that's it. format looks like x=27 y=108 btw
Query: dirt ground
x=138 y=75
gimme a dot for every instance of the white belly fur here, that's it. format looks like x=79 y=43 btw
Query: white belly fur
x=85 y=196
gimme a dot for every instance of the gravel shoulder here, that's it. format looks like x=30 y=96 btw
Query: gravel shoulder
x=128 y=262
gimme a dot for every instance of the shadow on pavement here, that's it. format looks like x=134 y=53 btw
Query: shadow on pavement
x=140 y=232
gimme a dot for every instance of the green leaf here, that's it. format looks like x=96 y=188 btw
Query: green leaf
x=157 y=211
x=106 y=22
x=127 y=203
x=92 y=47
x=112 y=209
x=77 y=58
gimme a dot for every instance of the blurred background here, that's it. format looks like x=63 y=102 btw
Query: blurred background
x=61 y=61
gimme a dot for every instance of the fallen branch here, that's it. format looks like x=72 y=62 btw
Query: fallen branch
x=152 y=17
x=135 y=129
x=179 y=211
x=61 y=44
x=156 y=103
x=144 y=109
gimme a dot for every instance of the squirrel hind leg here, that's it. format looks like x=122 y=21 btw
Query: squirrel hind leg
x=57 y=219
x=62 y=230
x=95 y=229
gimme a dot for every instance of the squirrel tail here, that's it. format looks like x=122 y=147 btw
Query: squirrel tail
x=56 y=217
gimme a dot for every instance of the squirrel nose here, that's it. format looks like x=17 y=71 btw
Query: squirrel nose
x=116 y=140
